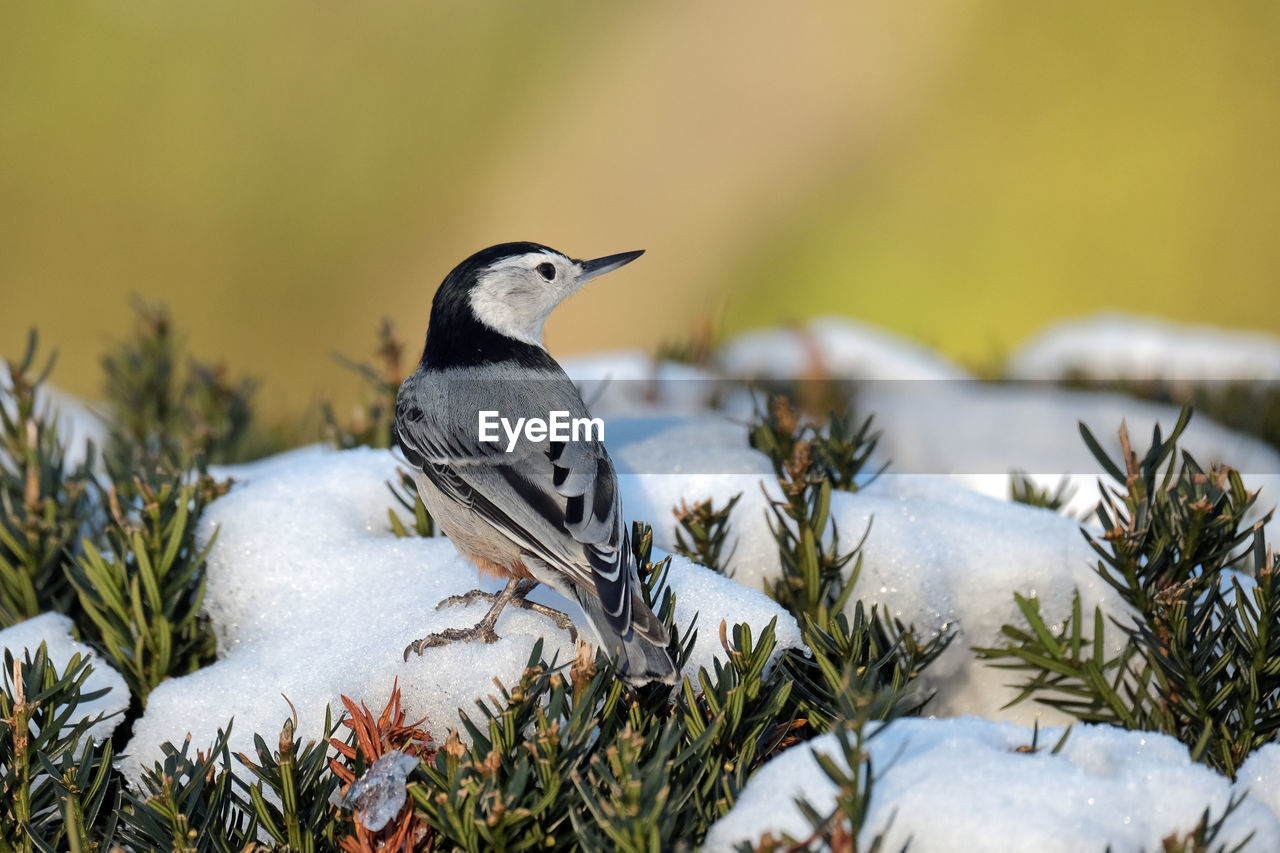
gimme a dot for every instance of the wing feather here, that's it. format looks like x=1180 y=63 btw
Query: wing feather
x=557 y=501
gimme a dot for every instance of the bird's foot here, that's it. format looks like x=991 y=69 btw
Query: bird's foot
x=482 y=630
x=560 y=618
x=514 y=594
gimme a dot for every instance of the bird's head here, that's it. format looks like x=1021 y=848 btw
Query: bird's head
x=512 y=288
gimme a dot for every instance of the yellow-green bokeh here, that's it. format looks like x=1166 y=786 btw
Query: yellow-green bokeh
x=285 y=174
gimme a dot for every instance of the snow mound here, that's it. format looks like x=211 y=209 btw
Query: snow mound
x=833 y=347
x=312 y=596
x=1260 y=776
x=54 y=630
x=1116 y=346
x=939 y=556
x=963 y=784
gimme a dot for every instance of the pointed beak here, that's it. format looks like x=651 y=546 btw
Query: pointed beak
x=609 y=263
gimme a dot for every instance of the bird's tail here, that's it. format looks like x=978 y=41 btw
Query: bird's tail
x=641 y=653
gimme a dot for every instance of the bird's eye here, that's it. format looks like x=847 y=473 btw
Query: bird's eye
x=547 y=270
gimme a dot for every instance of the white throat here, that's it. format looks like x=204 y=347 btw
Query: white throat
x=503 y=302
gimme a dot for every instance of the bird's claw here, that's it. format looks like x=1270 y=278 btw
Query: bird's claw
x=482 y=632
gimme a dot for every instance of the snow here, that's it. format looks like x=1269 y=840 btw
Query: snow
x=1260 y=776
x=941 y=556
x=963 y=784
x=1117 y=346
x=310 y=593
x=938 y=556
x=54 y=630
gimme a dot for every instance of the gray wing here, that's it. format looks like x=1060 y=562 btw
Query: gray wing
x=557 y=501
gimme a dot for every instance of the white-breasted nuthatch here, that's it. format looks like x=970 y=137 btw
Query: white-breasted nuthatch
x=529 y=511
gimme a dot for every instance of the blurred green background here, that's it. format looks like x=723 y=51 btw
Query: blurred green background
x=284 y=174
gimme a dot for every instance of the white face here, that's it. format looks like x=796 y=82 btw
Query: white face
x=516 y=295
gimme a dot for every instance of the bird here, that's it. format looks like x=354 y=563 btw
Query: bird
x=525 y=511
